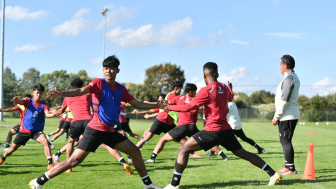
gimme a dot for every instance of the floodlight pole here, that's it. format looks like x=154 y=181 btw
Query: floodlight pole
x=105 y=10
x=2 y=59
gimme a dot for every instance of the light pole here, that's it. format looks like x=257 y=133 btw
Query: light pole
x=105 y=10
x=2 y=59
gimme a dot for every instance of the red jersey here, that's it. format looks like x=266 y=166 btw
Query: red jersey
x=122 y=117
x=164 y=116
x=214 y=97
x=156 y=110
x=96 y=88
x=17 y=108
x=185 y=118
x=25 y=103
x=79 y=106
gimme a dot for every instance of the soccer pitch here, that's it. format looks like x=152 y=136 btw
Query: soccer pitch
x=101 y=170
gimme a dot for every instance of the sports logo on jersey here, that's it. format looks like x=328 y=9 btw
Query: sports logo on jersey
x=220 y=91
x=35 y=113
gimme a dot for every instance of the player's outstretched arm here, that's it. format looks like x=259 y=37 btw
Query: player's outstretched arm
x=142 y=105
x=17 y=100
x=71 y=93
x=8 y=110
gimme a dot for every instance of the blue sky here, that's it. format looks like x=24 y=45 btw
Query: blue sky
x=245 y=38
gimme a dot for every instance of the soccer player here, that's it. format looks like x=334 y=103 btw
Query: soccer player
x=16 y=128
x=164 y=121
x=235 y=123
x=186 y=125
x=124 y=123
x=60 y=125
x=32 y=124
x=107 y=95
x=287 y=111
x=217 y=131
x=65 y=127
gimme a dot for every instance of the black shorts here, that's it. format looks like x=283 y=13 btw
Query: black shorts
x=209 y=139
x=125 y=126
x=182 y=131
x=22 y=138
x=128 y=119
x=92 y=139
x=239 y=133
x=16 y=128
x=66 y=125
x=158 y=127
x=60 y=125
x=77 y=128
x=286 y=128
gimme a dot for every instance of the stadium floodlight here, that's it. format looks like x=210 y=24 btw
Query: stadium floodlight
x=2 y=59
x=105 y=10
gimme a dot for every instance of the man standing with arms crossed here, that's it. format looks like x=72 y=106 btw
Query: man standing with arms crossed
x=287 y=111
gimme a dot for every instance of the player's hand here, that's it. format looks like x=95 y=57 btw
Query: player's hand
x=134 y=111
x=229 y=85
x=54 y=94
x=16 y=98
x=146 y=116
x=275 y=122
x=161 y=104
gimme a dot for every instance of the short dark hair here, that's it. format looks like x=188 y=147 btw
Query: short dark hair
x=289 y=60
x=39 y=87
x=212 y=67
x=176 y=84
x=230 y=84
x=76 y=83
x=190 y=87
x=111 y=61
x=162 y=95
x=28 y=96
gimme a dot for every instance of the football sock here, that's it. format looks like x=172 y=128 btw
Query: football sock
x=122 y=160
x=146 y=180
x=176 y=179
x=42 y=179
x=49 y=160
x=221 y=153
x=268 y=170
x=153 y=155
x=52 y=140
x=3 y=158
x=58 y=153
x=290 y=166
x=7 y=145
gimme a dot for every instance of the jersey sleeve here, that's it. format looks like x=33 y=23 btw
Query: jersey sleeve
x=126 y=96
x=65 y=102
x=96 y=87
x=287 y=88
x=25 y=102
x=200 y=99
x=17 y=108
x=46 y=107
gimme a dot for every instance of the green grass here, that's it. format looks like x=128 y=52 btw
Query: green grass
x=100 y=170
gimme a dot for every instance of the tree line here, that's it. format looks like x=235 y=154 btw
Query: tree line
x=158 y=79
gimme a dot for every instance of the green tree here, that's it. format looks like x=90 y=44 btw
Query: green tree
x=241 y=99
x=160 y=77
x=10 y=87
x=140 y=92
x=261 y=97
x=304 y=102
x=29 y=79
x=83 y=75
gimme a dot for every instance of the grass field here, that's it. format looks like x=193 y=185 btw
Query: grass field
x=100 y=170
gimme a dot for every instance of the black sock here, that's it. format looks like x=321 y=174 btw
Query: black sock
x=153 y=156
x=58 y=153
x=221 y=153
x=212 y=152
x=291 y=167
x=176 y=179
x=257 y=146
x=146 y=180
x=129 y=157
x=42 y=179
x=49 y=134
x=3 y=158
x=7 y=145
x=122 y=160
x=49 y=160
x=268 y=170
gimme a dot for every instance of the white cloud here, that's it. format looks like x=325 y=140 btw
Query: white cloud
x=147 y=34
x=6 y=64
x=192 y=42
x=20 y=13
x=287 y=35
x=73 y=26
x=244 y=42
x=325 y=86
x=234 y=75
x=30 y=48
x=114 y=17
